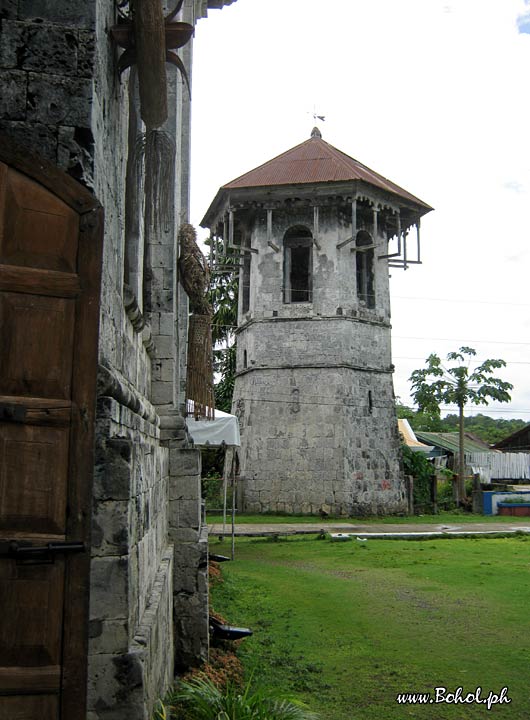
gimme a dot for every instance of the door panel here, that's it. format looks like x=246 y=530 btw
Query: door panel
x=33 y=478
x=38 y=230
x=50 y=258
x=36 y=333
x=30 y=644
x=30 y=707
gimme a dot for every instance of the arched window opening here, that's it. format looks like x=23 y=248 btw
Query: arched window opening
x=298 y=265
x=364 y=258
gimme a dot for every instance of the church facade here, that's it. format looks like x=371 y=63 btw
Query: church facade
x=71 y=113
x=317 y=232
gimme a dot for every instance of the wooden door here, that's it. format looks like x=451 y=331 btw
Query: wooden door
x=50 y=255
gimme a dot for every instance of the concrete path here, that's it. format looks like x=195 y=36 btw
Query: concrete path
x=373 y=530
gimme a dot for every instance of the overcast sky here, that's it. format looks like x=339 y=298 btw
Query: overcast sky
x=433 y=94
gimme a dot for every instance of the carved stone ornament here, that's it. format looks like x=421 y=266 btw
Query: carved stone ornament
x=149 y=40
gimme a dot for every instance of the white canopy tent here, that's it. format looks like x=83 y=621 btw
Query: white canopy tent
x=222 y=431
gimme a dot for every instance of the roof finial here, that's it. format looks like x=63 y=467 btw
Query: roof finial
x=315 y=133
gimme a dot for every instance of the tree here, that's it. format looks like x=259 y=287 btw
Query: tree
x=223 y=295
x=226 y=367
x=458 y=385
x=490 y=430
x=425 y=420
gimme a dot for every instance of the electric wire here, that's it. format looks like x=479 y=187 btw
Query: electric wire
x=488 y=342
x=287 y=400
x=476 y=359
x=411 y=337
x=461 y=301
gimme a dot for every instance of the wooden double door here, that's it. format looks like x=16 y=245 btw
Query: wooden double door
x=50 y=257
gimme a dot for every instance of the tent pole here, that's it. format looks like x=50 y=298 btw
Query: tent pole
x=225 y=484
x=233 y=475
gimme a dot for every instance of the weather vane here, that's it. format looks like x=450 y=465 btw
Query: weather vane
x=315 y=115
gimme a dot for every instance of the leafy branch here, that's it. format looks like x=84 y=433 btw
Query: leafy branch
x=458 y=384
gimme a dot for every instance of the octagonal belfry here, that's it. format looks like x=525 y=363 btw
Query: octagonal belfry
x=316 y=232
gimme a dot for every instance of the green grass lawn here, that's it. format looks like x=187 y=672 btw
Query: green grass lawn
x=443 y=518
x=348 y=626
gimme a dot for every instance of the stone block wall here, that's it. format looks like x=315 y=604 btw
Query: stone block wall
x=314 y=340
x=47 y=55
x=61 y=97
x=188 y=533
x=312 y=440
x=314 y=391
x=132 y=567
x=333 y=272
x=372 y=456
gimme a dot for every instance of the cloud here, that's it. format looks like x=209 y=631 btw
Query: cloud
x=523 y=21
x=515 y=258
x=514 y=186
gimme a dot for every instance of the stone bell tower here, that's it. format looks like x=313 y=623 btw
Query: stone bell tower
x=316 y=232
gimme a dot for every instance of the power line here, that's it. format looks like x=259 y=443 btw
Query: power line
x=429 y=339
x=486 y=409
x=488 y=342
x=478 y=360
x=421 y=359
x=406 y=337
x=289 y=401
x=461 y=301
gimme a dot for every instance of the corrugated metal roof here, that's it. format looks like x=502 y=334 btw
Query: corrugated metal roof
x=316 y=161
x=450 y=441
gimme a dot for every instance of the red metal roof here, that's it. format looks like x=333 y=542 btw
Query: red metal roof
x=315 y=161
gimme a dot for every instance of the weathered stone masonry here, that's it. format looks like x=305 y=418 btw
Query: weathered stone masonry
x=61 y=97
x=311 y=440
x=317 y=232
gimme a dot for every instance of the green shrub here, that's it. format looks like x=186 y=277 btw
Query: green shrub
x=417 y=465
x=200 y=699
x=212 y=490
x=445 y=494
x=446 y=499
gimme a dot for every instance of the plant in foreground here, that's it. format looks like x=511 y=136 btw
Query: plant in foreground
x=200 y=699
x=162 y=711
